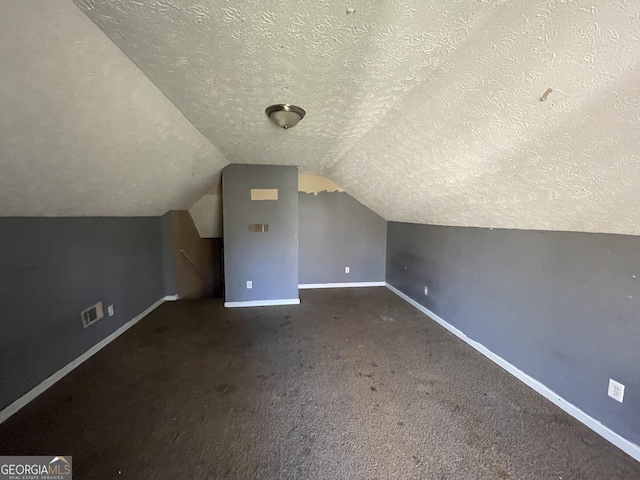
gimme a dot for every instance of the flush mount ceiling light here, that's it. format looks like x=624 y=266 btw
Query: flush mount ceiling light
x=284 y=115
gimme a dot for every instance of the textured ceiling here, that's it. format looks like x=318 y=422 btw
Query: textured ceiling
x=475 y=145
x=425 y=111
x=82 y=130
x=222 y=63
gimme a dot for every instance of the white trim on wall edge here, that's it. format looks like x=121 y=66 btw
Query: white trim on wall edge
x=172 y=298
x=49 y=382
x=622 y=443
x=263 y=303
x=305 y=286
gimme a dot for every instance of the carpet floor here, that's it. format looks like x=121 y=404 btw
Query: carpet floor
x=351 y=384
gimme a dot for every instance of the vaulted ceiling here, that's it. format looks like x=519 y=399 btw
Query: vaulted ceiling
x=425 y=111
x=82 y=130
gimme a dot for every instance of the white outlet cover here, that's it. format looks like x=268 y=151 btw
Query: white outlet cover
x=249 y=284
x=346 y=269
x=426 y=290
x=110 y=310
x=616 y=390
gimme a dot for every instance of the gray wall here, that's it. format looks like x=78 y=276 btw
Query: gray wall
x=168 y=261
x=50 y=270
x=338 y=231
x=269 y=260
x=562 y=307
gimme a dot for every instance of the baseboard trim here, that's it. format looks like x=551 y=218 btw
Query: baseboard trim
x=49 y=382
x=622 y=443
x=306 y=286
x=172 y=298
x=263 y=303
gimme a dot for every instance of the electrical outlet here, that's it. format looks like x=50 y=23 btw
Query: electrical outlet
x=110 y=310
x=616 y=390
x=426 y=290
x=346 y=269
x=249 y=284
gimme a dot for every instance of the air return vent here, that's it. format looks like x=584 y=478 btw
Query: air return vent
x=92 y=314
x=259 y=227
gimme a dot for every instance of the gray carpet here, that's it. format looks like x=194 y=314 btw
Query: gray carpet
x=351 y=384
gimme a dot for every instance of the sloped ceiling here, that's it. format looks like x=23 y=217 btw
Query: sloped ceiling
x=425 y=111
x=82 y=130
x=475 y=145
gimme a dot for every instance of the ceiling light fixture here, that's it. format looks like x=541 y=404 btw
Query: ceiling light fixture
x=284 y=115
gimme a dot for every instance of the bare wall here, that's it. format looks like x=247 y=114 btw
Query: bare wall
x=268 y=259
x=562 y=307
x=168 y=261
x=53 y=268
x=337 y=231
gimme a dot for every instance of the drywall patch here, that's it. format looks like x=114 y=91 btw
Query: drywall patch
x=260 y=194
x=315 y=184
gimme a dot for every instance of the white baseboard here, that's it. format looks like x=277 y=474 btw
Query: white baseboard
x=46 y=384
x=172 y=298
x=263 y=303
x=622 y=443
x=305 y=286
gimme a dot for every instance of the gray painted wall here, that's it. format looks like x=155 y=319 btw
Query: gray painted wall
x=50 y=270
x=168 y=261
x=269 y=260
x=338 y=231
x=562 y=307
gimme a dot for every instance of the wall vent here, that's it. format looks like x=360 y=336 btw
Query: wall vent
x=259 y=227
x=92 y=314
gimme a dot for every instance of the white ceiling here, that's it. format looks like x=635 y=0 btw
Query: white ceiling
x=425 y=111
x=82 y=130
